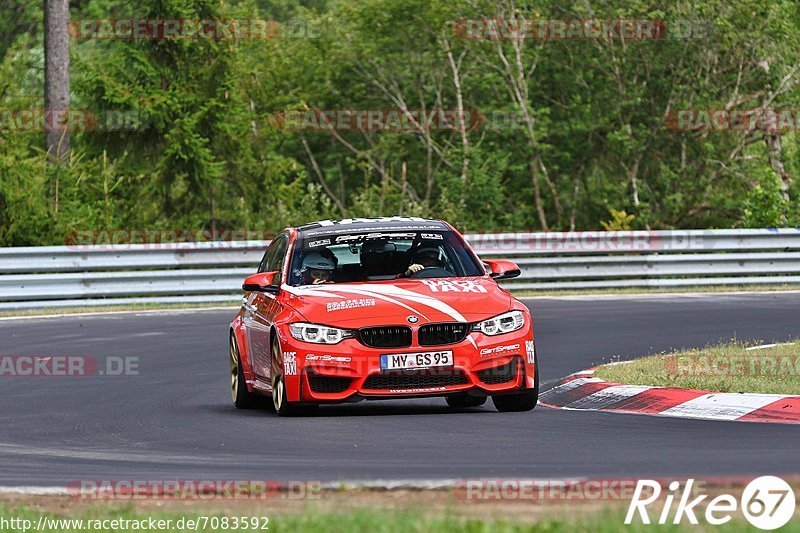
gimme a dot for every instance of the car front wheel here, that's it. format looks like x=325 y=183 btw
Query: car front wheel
x=521 y=401
x=283 y=407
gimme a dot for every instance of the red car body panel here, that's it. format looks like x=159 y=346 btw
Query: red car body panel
x=350 y=363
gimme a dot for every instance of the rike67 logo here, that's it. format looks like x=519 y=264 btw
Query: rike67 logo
x=767 y=502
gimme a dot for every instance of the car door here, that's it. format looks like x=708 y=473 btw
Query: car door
x=263 y=308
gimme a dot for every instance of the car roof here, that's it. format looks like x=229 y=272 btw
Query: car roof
x=350 y=225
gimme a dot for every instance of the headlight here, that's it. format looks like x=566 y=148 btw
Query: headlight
x=318 y=334
x=505 y=323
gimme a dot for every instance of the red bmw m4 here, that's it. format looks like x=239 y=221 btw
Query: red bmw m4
x=380 y=308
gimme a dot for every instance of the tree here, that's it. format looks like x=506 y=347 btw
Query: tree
x=56 y=84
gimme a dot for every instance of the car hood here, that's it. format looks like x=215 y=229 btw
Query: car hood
x=393 y=302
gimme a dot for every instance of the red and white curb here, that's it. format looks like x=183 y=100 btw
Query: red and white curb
x=584 y=392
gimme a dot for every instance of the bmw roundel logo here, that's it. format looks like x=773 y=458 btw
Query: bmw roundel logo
x=413 y=319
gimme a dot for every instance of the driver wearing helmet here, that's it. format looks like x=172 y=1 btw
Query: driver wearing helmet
x=317 y=269
x=425 y=257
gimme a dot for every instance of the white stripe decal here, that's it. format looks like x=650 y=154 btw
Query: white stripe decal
x=423 y=299
x=310 y=292
x=330 y=292
x=472 y=341
x=365 y=292
x=721 y=406
x=391 y=290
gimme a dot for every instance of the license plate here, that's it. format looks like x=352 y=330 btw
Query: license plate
x=404 y=361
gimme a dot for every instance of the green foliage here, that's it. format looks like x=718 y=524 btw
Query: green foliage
x=765 y=206
x=620 y=221
x=570 y=127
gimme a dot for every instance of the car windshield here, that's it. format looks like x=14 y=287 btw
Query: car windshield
x=378 y=256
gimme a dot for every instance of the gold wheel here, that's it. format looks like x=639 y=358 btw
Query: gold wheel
x=234 y=369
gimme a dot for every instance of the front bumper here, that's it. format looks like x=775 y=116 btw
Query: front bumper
x=349 y=371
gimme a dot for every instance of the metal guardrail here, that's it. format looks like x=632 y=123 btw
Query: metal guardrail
x=87 y=275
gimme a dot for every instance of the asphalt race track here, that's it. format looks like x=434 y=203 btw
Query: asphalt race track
x=175 y=420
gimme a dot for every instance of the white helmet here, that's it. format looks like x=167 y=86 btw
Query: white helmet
x=317 y=261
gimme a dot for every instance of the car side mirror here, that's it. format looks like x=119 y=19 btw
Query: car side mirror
x=502 y=269
x=261 y=282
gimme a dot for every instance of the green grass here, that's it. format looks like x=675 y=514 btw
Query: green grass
x=376 y=520
x=719 y=368
x=111 y=308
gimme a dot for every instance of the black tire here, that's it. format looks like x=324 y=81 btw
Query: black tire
x=461 y=401
x=521 y=401
x=242 y=398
